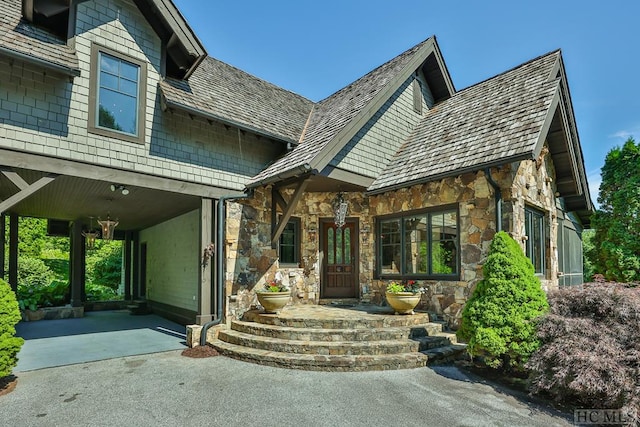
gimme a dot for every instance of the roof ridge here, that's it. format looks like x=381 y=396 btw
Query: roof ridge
x=406 y=52
x=268 y=83
x=510 y=70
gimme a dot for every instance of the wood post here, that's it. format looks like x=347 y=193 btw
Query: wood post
x=77 y=267
x=205 y=300
x=13 y=251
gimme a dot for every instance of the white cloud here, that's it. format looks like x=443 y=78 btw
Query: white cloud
x=625 y=134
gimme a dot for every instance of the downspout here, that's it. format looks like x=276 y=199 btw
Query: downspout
x=496 y=188
x=220 y=250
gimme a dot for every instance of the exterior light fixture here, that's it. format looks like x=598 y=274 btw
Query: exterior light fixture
x=340 y=207
x=91 y=235
x=108 y=226
x=119 y=187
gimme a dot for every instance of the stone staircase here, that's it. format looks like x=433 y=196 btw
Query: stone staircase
x=331 y=339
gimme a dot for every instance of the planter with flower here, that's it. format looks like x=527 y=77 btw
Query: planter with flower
x=274 y=296
x=404 y=297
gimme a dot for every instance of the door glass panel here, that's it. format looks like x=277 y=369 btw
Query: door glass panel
x=347 y=246
x=331 y=246
x=339 y=246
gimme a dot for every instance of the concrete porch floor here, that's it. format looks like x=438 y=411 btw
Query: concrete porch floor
x=99 y=335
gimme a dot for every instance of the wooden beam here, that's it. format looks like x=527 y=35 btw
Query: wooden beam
x=79 y=169
x=286 y=214
x=77 y=264
x=26 y=192
x=277 y=199
x=13 y=251
x=205 y=306
x=16 y=179
x=3 y=222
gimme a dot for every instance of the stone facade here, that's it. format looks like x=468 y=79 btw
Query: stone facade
x=252 y=261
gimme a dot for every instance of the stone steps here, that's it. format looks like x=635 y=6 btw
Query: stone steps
x=337 y=340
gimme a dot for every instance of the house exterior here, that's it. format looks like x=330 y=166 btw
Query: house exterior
x=96 y=97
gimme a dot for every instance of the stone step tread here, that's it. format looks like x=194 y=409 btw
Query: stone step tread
x=326 y=347
x=332 y=334
x=314 y=362
x=445 y=353
x=343 y=321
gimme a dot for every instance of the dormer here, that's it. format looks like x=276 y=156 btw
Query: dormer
x=183 y=52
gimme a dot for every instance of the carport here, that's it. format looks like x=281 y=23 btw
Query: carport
x=70 y=193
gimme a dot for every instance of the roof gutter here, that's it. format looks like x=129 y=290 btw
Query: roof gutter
x=14 y=54
x=456 y=172
x=290 y=173
x=220 y=270
x=195 y=111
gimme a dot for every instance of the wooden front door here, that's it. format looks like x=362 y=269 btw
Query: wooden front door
x=340 y=260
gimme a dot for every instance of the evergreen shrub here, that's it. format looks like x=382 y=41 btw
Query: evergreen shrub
x=9 y=317
x=499 y=319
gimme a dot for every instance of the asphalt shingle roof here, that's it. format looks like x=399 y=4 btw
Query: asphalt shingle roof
x=234 y=96
x=498 y=119
x=332 y=114
x=19 y=36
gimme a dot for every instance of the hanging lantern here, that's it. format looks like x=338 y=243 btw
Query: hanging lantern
x=108 y=226
x=340 y=210
x=91 y=235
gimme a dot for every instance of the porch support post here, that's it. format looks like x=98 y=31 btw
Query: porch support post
x=205 y=302
x=3 y=219
x=77 y=264
x=13 y=251
x=137 y=278
x=126 y=254
x=288 y=211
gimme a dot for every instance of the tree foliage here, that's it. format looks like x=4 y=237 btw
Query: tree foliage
x=9 y=316
x=498 y=320
x=617 y=222
x=590 y=348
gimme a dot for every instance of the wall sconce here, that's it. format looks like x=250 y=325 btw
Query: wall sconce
x=108 y=227
x=340 y=207
x=119 y=187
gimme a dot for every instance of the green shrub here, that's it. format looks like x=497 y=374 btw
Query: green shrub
x=33 y=272
x=100 y=293
x=9 y=316
x=590 y=348
x=104 y=265
x=498 y=321
x=52 y=294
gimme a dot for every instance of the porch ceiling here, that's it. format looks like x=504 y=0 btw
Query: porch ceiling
x=71 y=198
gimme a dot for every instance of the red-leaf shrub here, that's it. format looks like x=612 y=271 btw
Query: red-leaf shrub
x=590 y=352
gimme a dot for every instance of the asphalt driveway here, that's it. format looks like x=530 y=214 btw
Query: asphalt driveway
x=167 y=389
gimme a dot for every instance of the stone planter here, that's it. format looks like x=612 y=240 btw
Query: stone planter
x=403 y=302
x=273 y=302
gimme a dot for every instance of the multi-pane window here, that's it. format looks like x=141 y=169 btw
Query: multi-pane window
x=534 y=229
x=117 y=104
x=289 y=245
x=419 y=245
x=117 y=96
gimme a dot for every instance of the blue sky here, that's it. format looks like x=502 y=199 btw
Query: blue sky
x=316 y=47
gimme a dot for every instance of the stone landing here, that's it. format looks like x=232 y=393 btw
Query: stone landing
x=323 y=338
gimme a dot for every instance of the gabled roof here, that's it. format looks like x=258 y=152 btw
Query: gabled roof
x=336 y=119
x=499 y=120
x=23 y=41
x=224 y=93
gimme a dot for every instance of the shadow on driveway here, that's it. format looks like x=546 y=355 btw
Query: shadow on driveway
x=97 y=336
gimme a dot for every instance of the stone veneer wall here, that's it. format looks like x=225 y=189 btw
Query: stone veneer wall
x=251 y=261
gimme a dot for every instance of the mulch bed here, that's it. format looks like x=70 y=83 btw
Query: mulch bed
x=200 y=351
x=7 y=384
